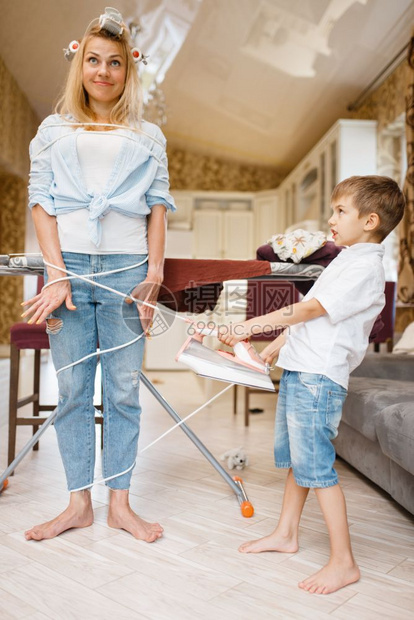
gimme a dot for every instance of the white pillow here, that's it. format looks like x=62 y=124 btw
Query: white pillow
x=297 y=244
x=406 y=343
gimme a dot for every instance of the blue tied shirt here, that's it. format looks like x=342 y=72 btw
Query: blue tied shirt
x=138 y=181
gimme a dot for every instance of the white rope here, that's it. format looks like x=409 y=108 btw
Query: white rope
x=100 y=352
x=108 y=288
x=101 y=480
x=92 y=275
x=66 y=135
x=137 y=129
x=86 y=278
x=187 y=418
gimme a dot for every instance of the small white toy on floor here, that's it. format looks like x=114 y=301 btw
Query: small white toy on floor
x=236 y=458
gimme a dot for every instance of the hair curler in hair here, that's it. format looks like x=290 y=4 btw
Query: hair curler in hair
x=71 y=50
x=138 y=56
x=111 y=21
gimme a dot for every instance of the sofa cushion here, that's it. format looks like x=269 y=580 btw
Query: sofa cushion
x=395 y=432
x=367 y=398
x=386 y=366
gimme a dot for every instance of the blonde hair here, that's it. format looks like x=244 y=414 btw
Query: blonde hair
x=374 y=194
x=74 y=100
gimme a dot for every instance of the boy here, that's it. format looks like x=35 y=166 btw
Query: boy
x=329 y=338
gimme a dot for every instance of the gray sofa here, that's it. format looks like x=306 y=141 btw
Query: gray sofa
x=376 y=434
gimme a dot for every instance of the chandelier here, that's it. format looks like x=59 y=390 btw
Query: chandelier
x=154 y=106
x=159 y=33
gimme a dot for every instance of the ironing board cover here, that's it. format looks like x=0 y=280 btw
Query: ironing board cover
x=190 y=285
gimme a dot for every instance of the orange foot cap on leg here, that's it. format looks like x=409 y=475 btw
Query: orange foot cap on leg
x=247 y=509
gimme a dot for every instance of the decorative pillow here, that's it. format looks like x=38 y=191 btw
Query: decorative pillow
x=298 y=244
x=406 y=342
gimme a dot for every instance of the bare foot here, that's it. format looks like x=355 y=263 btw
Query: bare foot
x=79 y=513
x=273 y=542
x=331 y=577
x=121 y=516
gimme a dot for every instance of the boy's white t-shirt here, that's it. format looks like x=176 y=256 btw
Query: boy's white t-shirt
x=351 y=289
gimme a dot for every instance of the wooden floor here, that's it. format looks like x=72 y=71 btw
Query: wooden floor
x=195 y=570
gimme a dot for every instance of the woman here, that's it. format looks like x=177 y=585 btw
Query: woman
x=99 y=197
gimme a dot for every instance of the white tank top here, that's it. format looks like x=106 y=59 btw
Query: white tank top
x=120 y=234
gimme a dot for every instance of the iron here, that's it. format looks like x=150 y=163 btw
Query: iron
x=243 y=367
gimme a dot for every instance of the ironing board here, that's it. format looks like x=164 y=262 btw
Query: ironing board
x=181 y=275
x=184 y=273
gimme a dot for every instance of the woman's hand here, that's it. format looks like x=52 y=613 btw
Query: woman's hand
x=233 y=333
x=50 y=298
x=271 y=352
x=146 y=291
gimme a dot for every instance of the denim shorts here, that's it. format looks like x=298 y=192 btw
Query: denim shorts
x=308 y=413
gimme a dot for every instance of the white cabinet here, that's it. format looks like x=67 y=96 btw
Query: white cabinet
x=228 y=225
x=208 y=234
x=179 y=243
x=348 y=148
x=180 y=238
x=160 y=351
x=222 y=224
x=183 y=216
x=238 y=237
x=269 y=216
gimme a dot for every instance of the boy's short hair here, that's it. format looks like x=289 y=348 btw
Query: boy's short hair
x=374 y=194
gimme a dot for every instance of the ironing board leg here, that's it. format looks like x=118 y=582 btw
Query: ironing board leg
x=235 y=485
x=10 y=469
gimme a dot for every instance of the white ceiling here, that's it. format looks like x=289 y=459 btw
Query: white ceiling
x=255 y=80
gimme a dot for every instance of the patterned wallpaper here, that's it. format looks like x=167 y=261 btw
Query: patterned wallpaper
x=195 y=171
x=387 y=102
x=18 y=124
x=13 y=199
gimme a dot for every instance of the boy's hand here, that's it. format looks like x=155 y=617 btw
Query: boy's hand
x=271 y=352
x=233 y=333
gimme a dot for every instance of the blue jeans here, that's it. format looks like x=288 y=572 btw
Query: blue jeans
x=308 y=413
x=101 y=317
